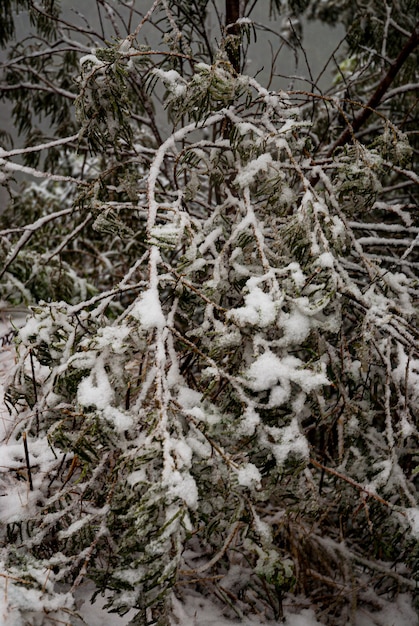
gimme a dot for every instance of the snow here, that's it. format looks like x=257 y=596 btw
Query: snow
x=148 y=310
x=94 y=614
x=198 y=610
x=297 y=274
x=195 y=609
x=258 y=310
x=166 y=235
x=325 y=260
x=122 y=420
x=95 y=389
x=248 y=173
x=399 y=613
x=338 y=228
x=172 y=80
x=90 y=58
x=34 y=327
x=413 y=519
x=296 y=326
x=269 y=371
x=125 y=45
x=249 y=475
x=201 y=448
x=114 y=337
x=75 y=527
x=407 y=372
x=292 y=441
x=244 y=20
x=189 y=398
x=34 y=603
x=202 y=67
x=179 y=484
x=18 y=506
x=381 y=479
x=245 y=127
x=183 y=486
x=249 y=422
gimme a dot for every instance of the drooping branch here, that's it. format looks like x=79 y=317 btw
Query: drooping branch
x=29 y=231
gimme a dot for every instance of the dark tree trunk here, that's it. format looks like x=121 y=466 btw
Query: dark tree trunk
x=233 y=47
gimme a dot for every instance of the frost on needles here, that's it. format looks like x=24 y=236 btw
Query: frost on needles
x=242 y=396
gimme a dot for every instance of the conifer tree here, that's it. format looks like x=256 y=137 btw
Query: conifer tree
x=216 y=387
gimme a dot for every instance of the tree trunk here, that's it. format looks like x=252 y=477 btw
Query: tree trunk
x=233 y=46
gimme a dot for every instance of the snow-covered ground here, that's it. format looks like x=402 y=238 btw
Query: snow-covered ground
x=195 y=610
x=199 y=611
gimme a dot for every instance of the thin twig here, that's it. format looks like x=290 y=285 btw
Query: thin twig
x=220 y=554
x=355 y=484
x=28 y=465
x=35 y=391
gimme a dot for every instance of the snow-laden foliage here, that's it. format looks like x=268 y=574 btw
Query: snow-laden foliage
x=228 y=397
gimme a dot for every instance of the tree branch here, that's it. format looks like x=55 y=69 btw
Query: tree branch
x=44 y=146
x=379 y=93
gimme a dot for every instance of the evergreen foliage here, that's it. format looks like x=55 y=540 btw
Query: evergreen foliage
x=217 y=385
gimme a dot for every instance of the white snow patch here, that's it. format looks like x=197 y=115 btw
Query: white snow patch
x=202 y=67
x=246 y=127
x=183 y=453
x=291 y=440
x=338 y=228
x=259 y=309
x=249 y=422
x=251 y=170
x=399 y=612
x=266 y=371
x=201 y=448
x=138 y=476
x=287 y=196
x=183 y=486
x=381 y=479
x=297 y=275
x=95 y=389
x=166 y=235
x=148 y=310
x=122 y=420
x=296 y=327
x=210 y=239
x=249 y=475
x=90 y=58
x=94 y=614
x=113 y=337
x=172 y=80
x=200 y=610
x=325 y=260
x=19 y=505
x=271 y=372
x=35 y=327
x=407 y=372
x=180 y=484
x=189 y=398
x=20 y=604
x=74 y=527
x=413 y=519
